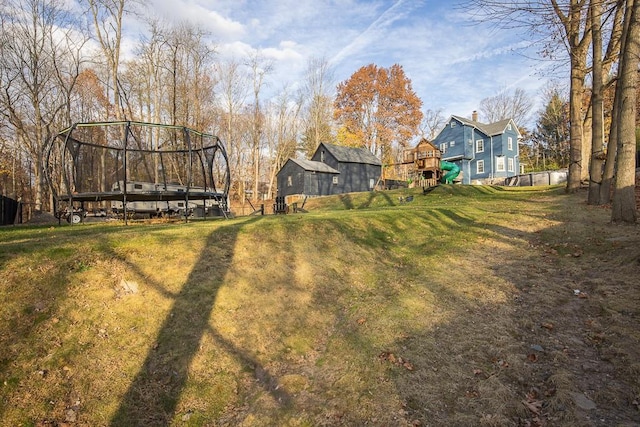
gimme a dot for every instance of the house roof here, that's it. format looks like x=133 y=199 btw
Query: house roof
x=490 y=129
x=351 y=154
x=310 y=165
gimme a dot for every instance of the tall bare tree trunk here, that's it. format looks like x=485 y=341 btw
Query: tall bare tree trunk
x=597 y=121
x=578 y=43
x=610 y=163
x=624 y=200
x=107 y=19
x=611 y=57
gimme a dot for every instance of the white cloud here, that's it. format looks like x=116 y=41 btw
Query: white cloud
x=221 y=27
x=452 y=64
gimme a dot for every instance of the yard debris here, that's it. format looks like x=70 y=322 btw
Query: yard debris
x=70 y=416
x=580 y=294
x=503 y=363
x=399 y=360
x=547 y=325
x=129 y=286
x=535 y=406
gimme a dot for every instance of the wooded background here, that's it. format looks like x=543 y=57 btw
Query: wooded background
x=58 y=68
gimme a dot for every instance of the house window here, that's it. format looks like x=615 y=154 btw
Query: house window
x=322 y=156
x=335 y=179
x=480 y=166
x=453 y=124
x=452 y=144
x=510 y=164
x=480 y=146
x=443 y=147
x=510 y=143
x=509 y=126
x=500 y=164
x=289 y=181
x=372 y=183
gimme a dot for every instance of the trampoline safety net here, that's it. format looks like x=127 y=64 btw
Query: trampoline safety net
x=137 y=167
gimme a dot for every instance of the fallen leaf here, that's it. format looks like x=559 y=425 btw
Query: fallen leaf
x=534 y=406
x=532 y=357
x=547 y=325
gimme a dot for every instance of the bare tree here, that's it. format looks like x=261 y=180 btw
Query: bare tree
x=506 y=105
x=184 y=61
x=40 y=64
x=559 y=24
x=233 y=83
x=624 y=200
x=597 y=138
x=107 y=20
x=432 y=122
x=259 y=67
x=281 y=129
x=318 y=90
x=610 y=57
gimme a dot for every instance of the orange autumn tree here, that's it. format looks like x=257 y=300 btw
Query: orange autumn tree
x=377 y=108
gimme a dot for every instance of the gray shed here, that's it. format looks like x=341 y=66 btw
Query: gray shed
x=305 y=177
x=333 y=169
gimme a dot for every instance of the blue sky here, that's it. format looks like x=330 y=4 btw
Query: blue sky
x=452 y=64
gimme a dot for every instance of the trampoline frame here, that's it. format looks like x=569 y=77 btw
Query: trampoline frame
x=65 y=149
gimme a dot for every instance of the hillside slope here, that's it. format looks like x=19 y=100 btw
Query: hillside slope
x=467 y=306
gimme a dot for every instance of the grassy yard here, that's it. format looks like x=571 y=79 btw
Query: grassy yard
x=466 y=306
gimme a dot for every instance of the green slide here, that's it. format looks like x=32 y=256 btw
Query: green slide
x=453 y=171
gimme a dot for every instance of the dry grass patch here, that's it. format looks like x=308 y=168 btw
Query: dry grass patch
x=455 y=309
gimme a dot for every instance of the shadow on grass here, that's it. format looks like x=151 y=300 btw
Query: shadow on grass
x=535 y=355
x=154 y=393
x=359 y=201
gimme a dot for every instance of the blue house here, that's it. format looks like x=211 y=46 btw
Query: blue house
x=485 y=153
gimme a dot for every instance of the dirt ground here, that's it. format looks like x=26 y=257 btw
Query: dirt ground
x=581 y=296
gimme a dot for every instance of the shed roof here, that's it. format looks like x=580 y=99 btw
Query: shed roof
x=310 y=165
x=352 y=154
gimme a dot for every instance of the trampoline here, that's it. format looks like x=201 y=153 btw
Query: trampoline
x=126 y=167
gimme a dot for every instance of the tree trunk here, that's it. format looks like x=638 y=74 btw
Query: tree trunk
x=610 y=164
x=576 y=118
x=611 y=57
x=578 y=48
x=597 y=119
x=624 y=199
x=587 y=143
